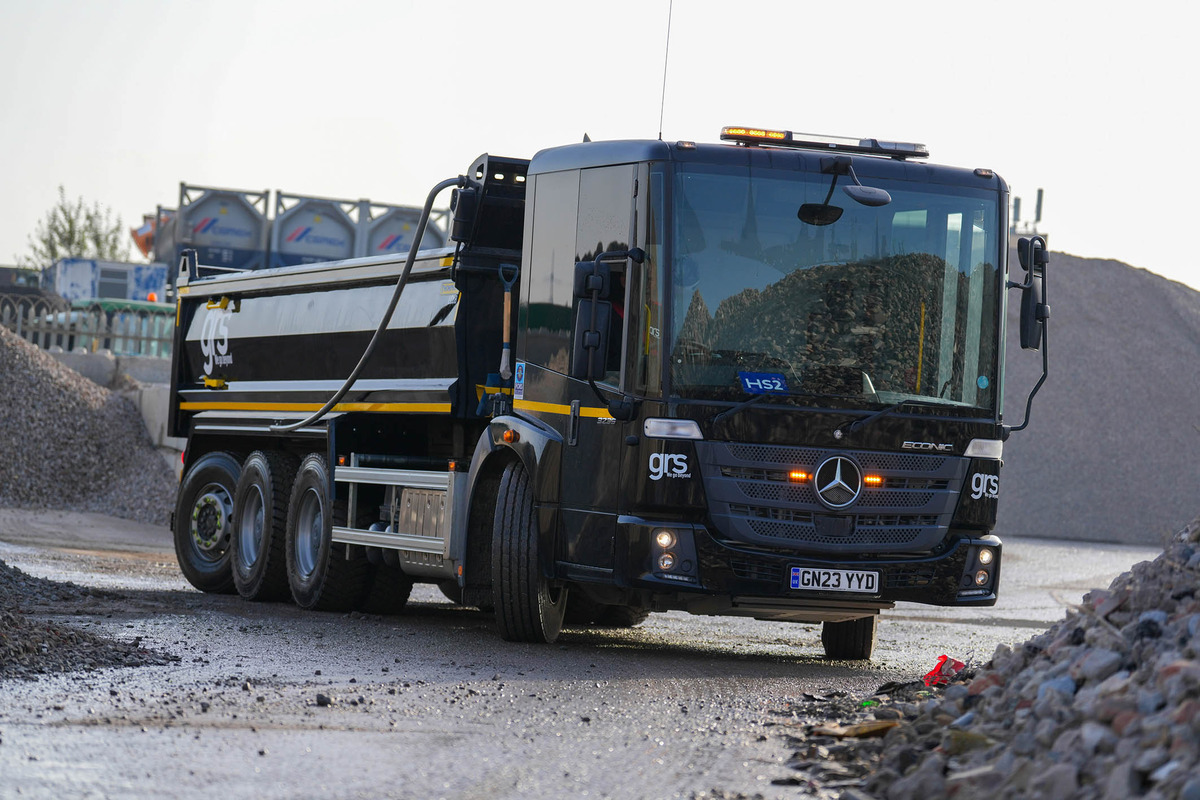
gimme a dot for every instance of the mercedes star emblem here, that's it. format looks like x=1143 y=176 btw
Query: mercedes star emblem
x=838 y=482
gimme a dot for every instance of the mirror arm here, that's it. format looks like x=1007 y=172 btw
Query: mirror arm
x=1037 y=246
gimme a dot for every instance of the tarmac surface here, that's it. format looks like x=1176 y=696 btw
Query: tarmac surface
x=270 y=701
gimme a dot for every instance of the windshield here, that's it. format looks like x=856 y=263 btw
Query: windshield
x=885 y=304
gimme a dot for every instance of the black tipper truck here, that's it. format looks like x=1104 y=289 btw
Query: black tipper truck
x=758 y=378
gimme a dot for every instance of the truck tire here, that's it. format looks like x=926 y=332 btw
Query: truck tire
x=203 y=519
x=258 y=544
x=389 y=591
x=853 y=640
x=528 y=608
x=319 y=574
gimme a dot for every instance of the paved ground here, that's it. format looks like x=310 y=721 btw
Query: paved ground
x=431 y=703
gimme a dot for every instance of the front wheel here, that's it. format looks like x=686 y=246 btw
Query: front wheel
x=528 y=607
x=853 y=640
x=203 y=521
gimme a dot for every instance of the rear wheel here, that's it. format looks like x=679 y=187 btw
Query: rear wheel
x=320 y=575
x=390 y=588
x=528 y=607
x=853 y=640
x=203 y=520
x=258 y=544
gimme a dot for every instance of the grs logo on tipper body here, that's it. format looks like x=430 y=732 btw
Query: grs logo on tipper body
x=214 y=340
x=668 y=465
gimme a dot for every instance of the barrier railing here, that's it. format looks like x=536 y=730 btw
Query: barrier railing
x=126 y=330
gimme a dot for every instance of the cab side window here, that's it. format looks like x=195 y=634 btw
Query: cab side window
x=549 y=276
x=605 y=225
x=577 y=215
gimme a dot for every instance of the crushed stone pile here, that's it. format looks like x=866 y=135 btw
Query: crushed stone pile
x=1104 y=705
x=66 y=443
x=32 y=645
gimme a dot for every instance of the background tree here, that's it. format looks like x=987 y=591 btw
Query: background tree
x=73 y=229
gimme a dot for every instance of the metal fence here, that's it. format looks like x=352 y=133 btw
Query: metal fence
x=124 y=331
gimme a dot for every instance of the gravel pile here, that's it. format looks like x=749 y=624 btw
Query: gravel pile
x=31 y=645
x=70 y=444
x=1105 y=705
x=1112 y=452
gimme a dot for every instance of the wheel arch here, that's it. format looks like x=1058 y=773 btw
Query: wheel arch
x=538 y=449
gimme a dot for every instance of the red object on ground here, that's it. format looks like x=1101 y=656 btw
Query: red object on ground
x=945 y=669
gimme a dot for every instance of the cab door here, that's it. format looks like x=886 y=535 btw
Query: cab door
x=589 y=473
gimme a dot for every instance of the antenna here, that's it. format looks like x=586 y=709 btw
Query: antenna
x=666 y=52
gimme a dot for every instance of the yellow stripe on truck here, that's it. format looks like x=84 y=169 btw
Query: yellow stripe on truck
x=559 y=408
x=410 y=408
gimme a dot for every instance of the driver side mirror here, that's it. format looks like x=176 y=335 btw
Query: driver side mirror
x=1034 y=311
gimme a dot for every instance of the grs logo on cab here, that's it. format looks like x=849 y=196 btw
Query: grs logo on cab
x=985 y=486
x=669 y=465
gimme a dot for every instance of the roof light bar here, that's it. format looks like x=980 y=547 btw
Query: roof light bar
x=811 y=141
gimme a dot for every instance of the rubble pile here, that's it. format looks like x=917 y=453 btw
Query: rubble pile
x=70 y=444
x=33 y=645
x=1105 y=705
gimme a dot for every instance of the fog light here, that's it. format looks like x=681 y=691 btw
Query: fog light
x=666 y=562
x=985 y=556
x=981 y=577
x=664 y=538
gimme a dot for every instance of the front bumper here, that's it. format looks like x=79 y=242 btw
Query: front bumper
x=705 y=566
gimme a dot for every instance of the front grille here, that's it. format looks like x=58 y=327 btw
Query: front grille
x=873 y=498
x=893 y=520
x=753 y=499
x=860 y=537
x=770 y=454
x=781 y=514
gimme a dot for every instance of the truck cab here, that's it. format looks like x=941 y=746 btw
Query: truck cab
x=812 y=424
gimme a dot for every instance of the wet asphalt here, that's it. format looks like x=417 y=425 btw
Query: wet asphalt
x=268 y=701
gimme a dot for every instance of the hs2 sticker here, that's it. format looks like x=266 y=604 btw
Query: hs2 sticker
x=669 y=465
x=985 y=486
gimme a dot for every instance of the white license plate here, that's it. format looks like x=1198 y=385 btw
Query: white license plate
x=835 y=580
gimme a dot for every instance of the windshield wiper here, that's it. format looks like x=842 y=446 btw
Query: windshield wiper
x=729 y=412
x=859 y=424
x=758 y=398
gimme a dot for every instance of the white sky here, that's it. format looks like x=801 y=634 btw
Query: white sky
x=121 y=100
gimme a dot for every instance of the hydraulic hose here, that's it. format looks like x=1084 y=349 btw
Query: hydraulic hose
x=460 y=182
